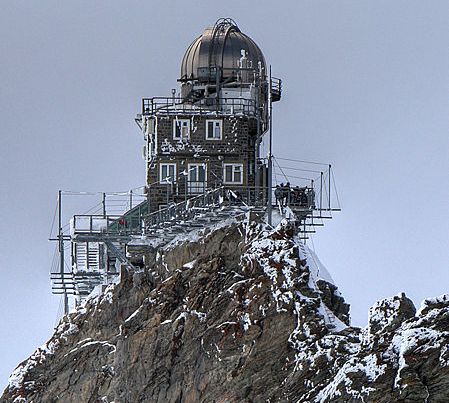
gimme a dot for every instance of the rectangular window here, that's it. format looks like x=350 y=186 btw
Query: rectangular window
x=214 y=129
x=181 y=129
x=197 y=179
x=167 y=173
x=233 y=174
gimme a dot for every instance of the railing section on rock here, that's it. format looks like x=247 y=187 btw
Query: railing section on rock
x=106 y=236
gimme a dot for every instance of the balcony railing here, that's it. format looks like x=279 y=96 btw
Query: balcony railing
x=207 y=106
x=300 y=200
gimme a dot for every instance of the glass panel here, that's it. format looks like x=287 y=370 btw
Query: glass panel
x=228 y=173
x=201 y=174
x=177 y=130
x=217 y=130
x=192 y=173
x=237 y=174
x=163 y=172
x=210 y=130
x=172 y=172
x=185 y=129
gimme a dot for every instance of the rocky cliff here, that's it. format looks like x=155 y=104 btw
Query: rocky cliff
x=239 y=313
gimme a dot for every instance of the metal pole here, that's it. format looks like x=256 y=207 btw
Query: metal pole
x=270 y=154
x=257 y=145
x=330 y=186
x=104 y=205
x=130 y=199
x=312 y=198
x=61 y=252
x=321 y=192
x=217 y=88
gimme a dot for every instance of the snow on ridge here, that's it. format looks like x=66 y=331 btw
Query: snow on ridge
x=197 y=235
x=17 y=378
x=430 y=302
x=316 y=267
x=384 y=312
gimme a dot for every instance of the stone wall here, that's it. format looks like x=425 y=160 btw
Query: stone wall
x=236 y=146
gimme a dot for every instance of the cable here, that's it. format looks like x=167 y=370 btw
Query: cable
x=59 y=312
x=54 y=219
x=283 y=173
x=303 y=178
x=300 y=169
x=302 y=161
x=335 y=188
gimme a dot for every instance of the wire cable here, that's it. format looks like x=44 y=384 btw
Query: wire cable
x=53 y=221
x=302 y=161
x=283 y=173
x=300 y=169
x=335 y=189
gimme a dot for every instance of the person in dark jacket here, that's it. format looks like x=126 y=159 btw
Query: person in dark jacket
x=277 y=194
x=287 y=194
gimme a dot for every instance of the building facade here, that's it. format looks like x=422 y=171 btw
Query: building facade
x=209 y=135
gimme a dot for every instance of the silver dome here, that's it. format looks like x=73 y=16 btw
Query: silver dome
x=220 y=49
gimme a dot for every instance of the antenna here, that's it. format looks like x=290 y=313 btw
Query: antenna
x=61 y=252
x=270 y=154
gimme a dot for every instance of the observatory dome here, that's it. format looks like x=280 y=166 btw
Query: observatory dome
x=220 y=48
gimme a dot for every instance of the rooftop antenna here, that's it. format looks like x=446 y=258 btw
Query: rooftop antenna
x=61 y=253
x=270 y=153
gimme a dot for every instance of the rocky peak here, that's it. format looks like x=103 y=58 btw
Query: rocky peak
x=388 y=314
x=239 y=312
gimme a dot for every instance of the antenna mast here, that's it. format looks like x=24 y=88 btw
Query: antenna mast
x=61 y=253
x=270 y=153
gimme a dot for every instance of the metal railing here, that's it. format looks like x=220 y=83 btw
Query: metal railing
x=276 y=88
x=109 y=224
x=298 y=199
x=186 y=210
x=207 y=106
x=232 y=196
x=243 y=197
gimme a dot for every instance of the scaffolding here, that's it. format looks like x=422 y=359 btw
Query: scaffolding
x=96 y=242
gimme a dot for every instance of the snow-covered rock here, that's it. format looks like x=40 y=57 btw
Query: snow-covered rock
x=239 y=313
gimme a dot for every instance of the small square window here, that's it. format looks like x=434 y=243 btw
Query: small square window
x=167 y=173
x=181 y=129
x=233 y=174
x=214 y=129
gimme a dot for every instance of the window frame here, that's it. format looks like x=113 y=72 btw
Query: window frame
x=174 y=127
x=190 y=165
x=233 y=165
x=220 y=121
x=162 y=180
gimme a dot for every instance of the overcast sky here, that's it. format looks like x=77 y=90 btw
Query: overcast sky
x=365 y=87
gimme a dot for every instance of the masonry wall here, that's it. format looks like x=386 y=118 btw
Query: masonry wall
x=237 y=145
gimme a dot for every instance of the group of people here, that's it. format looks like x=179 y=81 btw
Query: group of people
x=298 y=196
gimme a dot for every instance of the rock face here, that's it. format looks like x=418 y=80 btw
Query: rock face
x=241 y=314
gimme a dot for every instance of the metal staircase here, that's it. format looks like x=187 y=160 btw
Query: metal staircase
x=102 y=244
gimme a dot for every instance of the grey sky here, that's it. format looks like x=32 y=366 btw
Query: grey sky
x=365 y=87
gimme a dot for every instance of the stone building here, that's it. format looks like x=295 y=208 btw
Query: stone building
x=209 y=134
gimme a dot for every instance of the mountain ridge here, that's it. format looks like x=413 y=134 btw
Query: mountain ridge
x=237 y=313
